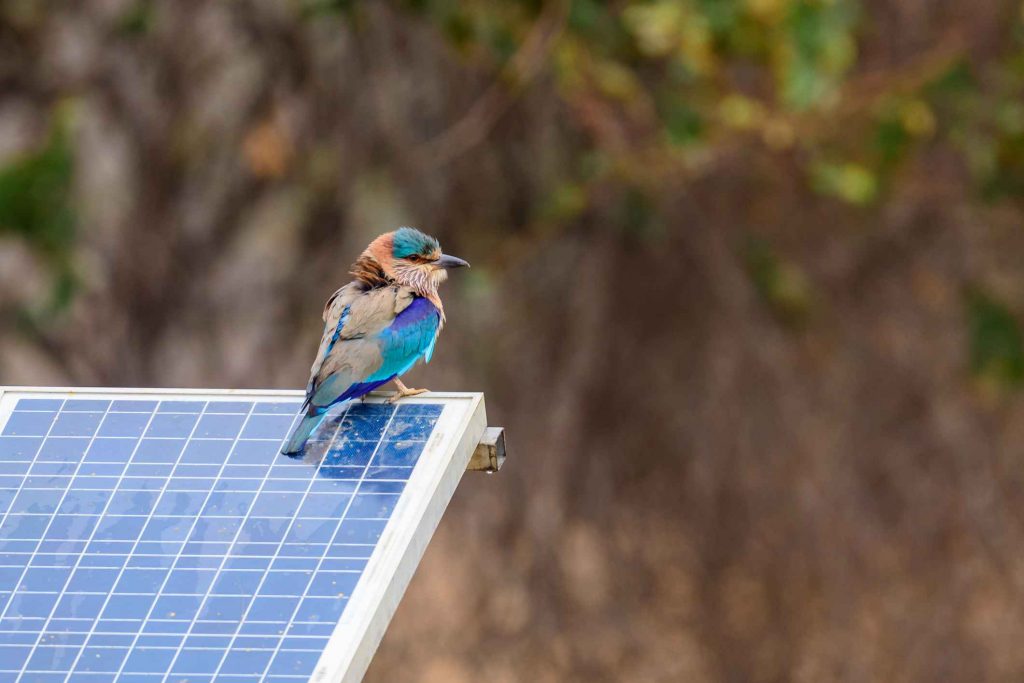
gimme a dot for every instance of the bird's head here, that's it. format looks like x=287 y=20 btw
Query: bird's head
x=411 y=258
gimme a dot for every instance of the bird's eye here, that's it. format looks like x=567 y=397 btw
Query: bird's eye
x=415 y=258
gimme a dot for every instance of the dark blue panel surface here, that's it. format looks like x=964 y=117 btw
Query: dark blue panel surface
x=146 y=541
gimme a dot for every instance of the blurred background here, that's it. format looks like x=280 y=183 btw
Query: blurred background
x=747 y=292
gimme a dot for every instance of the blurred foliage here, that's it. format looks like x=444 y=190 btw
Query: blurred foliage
x=36 y=203
x=661 y=91
x=35 y=195
x=663 y=87
x=997 y=347
x=782 y=285
x=849 y=181
x=137 y=20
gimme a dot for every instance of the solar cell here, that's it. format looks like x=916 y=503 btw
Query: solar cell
x=164 y=539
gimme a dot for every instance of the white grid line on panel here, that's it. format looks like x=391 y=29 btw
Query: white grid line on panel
x=21 y=487
x=224 y=559
x=178 y=555
x=288 y=528
x=344 y=516
x=275 y=479
x=92 y=534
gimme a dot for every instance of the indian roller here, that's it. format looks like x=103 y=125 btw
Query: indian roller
x=377 y=326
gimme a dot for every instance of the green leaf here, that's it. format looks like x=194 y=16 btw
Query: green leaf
x=458 y=28
x=722 y=15
x=782 y=285
x=585 y=15
x=891 y=139
x=35 y=196
x=637 y=218
x=316 y=8
x=137 y=20
x=36 y=205
x=567 y=201
x=996 y=345
x=956 y=80
x=851 y=182
x=819 y=48
x=683 y=125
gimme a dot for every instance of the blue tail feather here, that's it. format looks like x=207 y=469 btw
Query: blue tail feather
x=302 y=432
x=316 y=411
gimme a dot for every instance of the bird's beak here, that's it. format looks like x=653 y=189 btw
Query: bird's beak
x=448 y=262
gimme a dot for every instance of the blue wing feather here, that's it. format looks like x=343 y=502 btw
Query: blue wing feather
x=342 y=319
x=411 y=336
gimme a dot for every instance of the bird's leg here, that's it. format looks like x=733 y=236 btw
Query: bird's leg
x=404 y=391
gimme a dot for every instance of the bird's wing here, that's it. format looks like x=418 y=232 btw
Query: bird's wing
x=381 y=334
x=335 y=316
x=410 y=337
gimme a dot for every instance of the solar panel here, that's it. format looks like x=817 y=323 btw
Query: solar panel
x=160 y=537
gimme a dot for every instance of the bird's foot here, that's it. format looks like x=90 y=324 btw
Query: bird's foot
x=404 y=391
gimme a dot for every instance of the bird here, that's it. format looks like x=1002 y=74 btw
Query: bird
x=377 y=326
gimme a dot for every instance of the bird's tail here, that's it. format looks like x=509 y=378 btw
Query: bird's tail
x=310 y=421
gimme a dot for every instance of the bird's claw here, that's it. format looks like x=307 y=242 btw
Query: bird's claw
x=404 y=391
x=398 y=395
